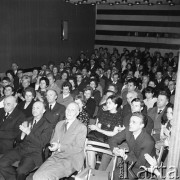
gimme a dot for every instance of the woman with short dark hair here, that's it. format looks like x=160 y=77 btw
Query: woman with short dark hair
x=74 y=90
x=96 y=93
x=26 y=106
x=43 y=83
x=108 y=124
x=65 y=97
x=64 y=77
x=90 y=101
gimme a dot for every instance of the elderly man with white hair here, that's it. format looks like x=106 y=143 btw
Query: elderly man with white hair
x=10 y=119
x=67 y=145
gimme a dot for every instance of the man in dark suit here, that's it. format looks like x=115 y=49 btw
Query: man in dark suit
x=171 y=87
x=139 y=143
x=159 y=81
x=157 y=112
x=36 y=133
x=67 y=145
x=10 y=119
x=18 y=80
x=138 y=105
x=85 y=79
x=116 y=82
x=93 y=67
x=103 y=81
x=14 y=67
x=127 y=107
x=80 y=84
x=55 y=112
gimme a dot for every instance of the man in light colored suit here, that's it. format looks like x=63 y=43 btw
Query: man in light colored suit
x=67 y=145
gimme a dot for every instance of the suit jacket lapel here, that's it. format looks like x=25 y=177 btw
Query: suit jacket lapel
x=72 y=126
x=2 y=119
x=37 y=125
x=10 y=117
x=70 y=129
x=54 y=108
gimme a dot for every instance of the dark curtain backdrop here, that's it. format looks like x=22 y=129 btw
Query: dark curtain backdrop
x=30 y=31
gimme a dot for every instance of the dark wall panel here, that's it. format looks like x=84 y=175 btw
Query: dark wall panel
x=30 y=31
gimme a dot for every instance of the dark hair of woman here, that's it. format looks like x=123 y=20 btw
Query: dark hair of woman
x=116 y=99
x=65 y=72
x=46 y=80
x=67 y=84
x=81 y=97
x=88 y=88
x=95 y=81
x=164 y=119
x=74 y=80
x=149 y=89
x=10 y=72
x=30 y=89
x=12 y=88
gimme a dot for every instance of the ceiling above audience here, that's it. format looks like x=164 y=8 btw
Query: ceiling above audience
x=126 y=2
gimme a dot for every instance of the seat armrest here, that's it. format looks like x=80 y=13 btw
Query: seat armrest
x=46 y=152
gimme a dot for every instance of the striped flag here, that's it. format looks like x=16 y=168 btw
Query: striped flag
x=138 y=26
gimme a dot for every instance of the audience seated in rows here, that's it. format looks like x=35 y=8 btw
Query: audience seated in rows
x=133 y=76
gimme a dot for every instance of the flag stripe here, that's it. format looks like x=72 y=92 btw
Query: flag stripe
x=139 y=39
x=139 y=17
x=137 y=28
x=138 y=12
x=155 y=26
x=137 y=44
x=140 y=34
x=138 y=23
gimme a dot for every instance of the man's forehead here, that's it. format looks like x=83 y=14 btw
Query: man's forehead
x=135 y=118
x=162 y=97
x=130 y=84
x=72 y=106
x=130 y=95
x=8 y=88
x=171 y=83
x=9 y=101
x=38 y=104
x=51 y=92
x=135 y=103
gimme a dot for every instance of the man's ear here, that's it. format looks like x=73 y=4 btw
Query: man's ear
x=142 y=125
x=77 y=113
x=44 y=110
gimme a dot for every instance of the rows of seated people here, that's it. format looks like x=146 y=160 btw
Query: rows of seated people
x=108 y=87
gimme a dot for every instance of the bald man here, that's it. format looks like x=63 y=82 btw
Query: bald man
x=10 y=119
x=67 y=145
x=36 y=133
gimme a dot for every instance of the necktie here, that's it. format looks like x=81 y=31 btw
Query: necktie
x=159 y=112
x=33 y=124
x=6 y=116
x=65 y=127
x=50 y=107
